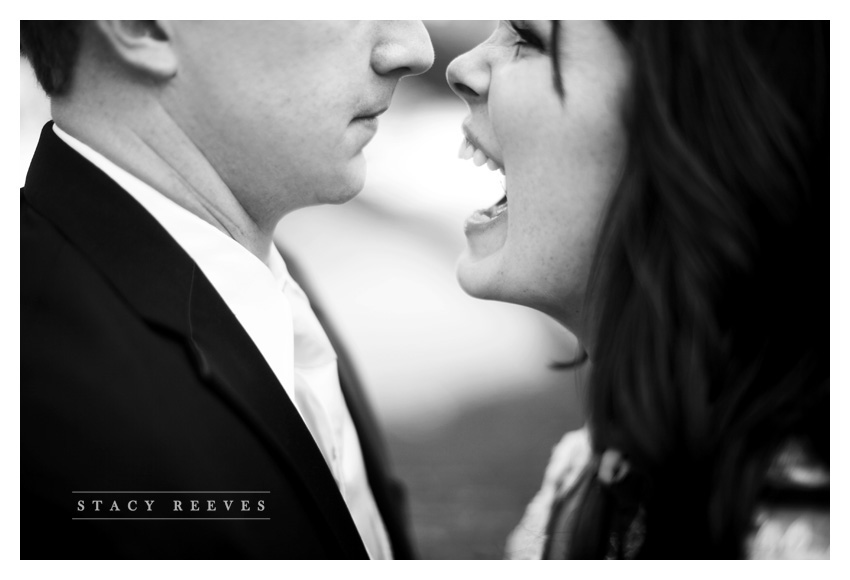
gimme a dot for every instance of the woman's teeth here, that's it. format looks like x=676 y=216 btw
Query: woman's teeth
x=469 y=151
x=479 y=158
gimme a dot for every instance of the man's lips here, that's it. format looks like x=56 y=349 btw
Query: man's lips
x=372 y=114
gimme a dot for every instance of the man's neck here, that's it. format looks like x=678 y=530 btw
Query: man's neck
x=157 y=152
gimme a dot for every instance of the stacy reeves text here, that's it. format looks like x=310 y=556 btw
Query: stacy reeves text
x=239 y=505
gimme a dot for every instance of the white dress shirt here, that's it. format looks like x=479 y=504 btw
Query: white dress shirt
x=276 y=314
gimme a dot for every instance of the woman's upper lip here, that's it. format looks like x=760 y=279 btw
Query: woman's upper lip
x=467 y=132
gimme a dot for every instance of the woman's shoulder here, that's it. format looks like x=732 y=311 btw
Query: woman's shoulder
x=789 y=533
x=570 y=456
x=792 y=520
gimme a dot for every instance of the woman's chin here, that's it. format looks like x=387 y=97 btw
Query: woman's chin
x=479 y=276
x=500 y=276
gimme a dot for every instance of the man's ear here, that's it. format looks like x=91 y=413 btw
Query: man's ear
x=144 y=45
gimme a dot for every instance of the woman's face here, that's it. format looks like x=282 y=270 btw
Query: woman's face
x=561 y=157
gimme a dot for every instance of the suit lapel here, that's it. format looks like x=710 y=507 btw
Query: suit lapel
x=229 y=360
x=158 y=279
x=375 y=456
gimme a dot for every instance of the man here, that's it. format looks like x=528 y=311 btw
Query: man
x=172 y=369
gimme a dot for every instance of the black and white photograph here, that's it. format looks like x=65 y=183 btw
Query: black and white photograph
x=424 y=290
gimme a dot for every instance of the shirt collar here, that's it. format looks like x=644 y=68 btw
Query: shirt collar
x=206 y=244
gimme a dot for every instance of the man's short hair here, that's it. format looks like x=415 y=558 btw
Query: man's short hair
x=51 y=46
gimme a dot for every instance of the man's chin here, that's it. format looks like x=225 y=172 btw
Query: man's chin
x=350 y=184
x=341 y=196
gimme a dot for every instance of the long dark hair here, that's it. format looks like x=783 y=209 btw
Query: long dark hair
x=708 y=301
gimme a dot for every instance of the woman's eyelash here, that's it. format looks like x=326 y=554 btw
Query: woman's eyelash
x=527 y=37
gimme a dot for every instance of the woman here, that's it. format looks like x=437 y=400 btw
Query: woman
x=666 y=201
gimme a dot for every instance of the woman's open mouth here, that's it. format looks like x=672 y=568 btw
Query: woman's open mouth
x=484 y=218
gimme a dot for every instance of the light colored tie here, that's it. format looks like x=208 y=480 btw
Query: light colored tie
x=320 y=401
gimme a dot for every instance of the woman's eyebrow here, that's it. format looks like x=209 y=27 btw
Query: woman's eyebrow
x=554 y=49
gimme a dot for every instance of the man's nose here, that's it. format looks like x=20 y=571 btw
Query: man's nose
x=404 y=50
x=469 y=77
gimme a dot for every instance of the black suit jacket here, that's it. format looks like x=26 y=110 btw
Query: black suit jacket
x=136 y=377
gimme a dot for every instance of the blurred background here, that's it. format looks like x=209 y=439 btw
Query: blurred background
x=464 y=389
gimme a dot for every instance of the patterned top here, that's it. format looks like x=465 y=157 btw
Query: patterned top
x=781 y=530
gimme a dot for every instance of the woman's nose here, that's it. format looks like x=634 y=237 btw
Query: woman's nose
x=469 y=76
x=405 y=49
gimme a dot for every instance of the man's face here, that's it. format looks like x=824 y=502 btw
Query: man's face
x=282 y=110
